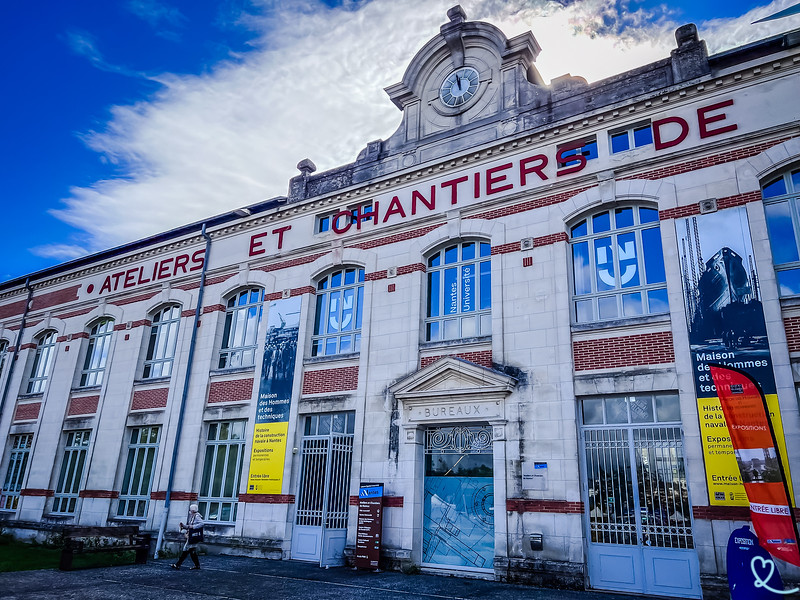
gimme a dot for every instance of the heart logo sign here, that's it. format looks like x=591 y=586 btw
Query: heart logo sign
x=762 y=569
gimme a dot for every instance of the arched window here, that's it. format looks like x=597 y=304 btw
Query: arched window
x=162 y=342
x=242 y=317
x=617 y=265
x=42 y=360
x=94 y=364
x=459 y=291
x=781 y=197
x=337 y=321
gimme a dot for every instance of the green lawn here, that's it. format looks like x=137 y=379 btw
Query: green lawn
x=19 y=556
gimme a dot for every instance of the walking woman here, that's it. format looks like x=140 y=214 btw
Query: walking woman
x=194 y=535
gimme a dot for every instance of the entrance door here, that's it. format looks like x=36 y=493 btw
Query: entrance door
x=458 y=512
x=320 y=530
x=639 y=517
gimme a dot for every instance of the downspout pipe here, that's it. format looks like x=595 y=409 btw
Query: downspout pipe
x=17 y=345
x=189 y=360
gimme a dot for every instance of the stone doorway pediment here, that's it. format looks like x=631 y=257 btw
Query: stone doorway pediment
x=453 y=390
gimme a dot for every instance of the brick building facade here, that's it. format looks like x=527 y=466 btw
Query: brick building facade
x=496 y=314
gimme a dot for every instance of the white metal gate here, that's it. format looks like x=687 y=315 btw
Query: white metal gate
x=323 y=502
x=639 y=517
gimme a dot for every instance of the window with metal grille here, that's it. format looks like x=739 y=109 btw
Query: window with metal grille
x=142 y=451
x=337 y=321
x=782 y=207
x=222 y=467
x=459 y=292
x=17 y=467
x=42 y=361
x=162 y=342
x=71 y=473
x=618 y=265
x=242 y=317
x=94 y=365
x=324 y=494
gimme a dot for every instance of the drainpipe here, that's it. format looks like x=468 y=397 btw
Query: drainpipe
x=17 y=345
x=185 y=394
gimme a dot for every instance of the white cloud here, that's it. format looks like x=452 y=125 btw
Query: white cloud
x=313 y=87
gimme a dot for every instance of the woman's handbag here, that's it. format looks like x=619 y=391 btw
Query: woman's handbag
x=196 y=535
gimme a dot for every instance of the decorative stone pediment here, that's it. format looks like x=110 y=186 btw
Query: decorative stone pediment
x=453 y=390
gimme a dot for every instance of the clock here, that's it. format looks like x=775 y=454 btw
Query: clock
x=459 y=87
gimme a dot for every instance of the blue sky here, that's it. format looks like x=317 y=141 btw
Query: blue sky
x=122 y=118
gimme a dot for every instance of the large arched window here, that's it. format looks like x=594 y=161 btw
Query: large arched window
x=94 y=364
x=42 y=360
x=459 y=291
x=3 y=353
x=242 y=317
x=781 y=197
x=162 y=341
x=337 y=321
x=617 y=265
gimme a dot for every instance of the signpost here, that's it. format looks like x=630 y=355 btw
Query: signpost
x=370 y=520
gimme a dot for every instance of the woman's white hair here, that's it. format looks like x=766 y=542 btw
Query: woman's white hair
x=193 y=507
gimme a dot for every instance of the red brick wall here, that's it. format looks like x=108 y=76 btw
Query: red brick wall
x=175 y=495
x=98 y=494
x=27 y=412
x=267 y=498
x=330 y=380
x=624 y=351
x=388 y=501
x=792 y=327
x=236 y=390
x=521 y=505
x=694 y=209
x=144 y=399
x=83 y=406
x=483 y=358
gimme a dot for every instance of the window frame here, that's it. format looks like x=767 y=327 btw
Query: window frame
x=326 y=287
x=4 y=345
x=481 y=316
x=630 y=132
x=242 y=321
x=140 y=469
x=42 y=363
x=653 y=296
x=71 y=471
x=97 y=350
x=162 y=342
x=324 y=222
x=18 y=461
x=779 y=242
x=206 y=498
x=589 y=149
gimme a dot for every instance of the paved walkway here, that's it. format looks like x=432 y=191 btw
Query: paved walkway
x=258 y=579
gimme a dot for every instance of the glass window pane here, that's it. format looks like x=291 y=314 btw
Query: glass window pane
x=593 y=411
x=324 y=425
x=349 y=276
x=604 y=264
x=632 y=305
x=333 y=313
x=579 y=230
x=336 y=279
x=653 y=255
x=434 y=260
x=486 y=249
x=345 y=344
x=796 y=180
x=450 y=291
x=589 y=150
x=789 y=282
x=668 y=408
x=432 y=333
x=434 y=293
x=450 y=329
x=641 y=409
x=657 y=301
x=581 y=269
x=774 y=188
x=647 y=215
x=619 y=142
x=468 y=327
x=468 y=288
x=642 y=136
x=628 y=260
x=616 y=410
x=623 y=217
x=451 y=255
x=601 y=222
x=607 y=307
x=781 y=233
x=468 y=251
x=348 y=305
x=583 y=311
x=486 y=285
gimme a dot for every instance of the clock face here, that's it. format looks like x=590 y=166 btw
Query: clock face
x=459 y=87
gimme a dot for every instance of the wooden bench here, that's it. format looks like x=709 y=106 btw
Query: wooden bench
x=132 y=540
